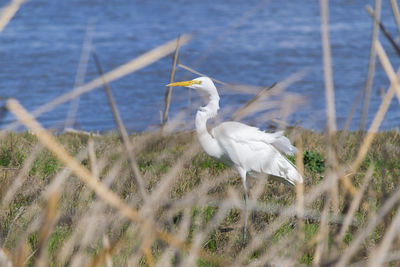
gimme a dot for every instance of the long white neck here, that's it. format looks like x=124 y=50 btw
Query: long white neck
x=209 y=144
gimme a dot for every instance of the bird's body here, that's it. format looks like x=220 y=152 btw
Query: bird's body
x=246 y=148
x=255 y=151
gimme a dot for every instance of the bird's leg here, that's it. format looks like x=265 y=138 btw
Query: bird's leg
x=243 y=176
x=253 y=216
x=246 y=213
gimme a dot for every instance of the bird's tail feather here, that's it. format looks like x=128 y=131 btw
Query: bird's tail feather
x=283 y=144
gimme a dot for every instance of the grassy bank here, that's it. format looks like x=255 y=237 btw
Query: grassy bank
x=50 y=217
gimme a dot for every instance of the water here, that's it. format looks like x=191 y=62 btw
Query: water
x=244 y=42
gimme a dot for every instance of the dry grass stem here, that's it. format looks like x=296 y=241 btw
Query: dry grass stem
x=147 y=249
x=80 y=75
x=237 y=88
x=20 y=178
x=300 y=187
x=395 y=10
x=345 y=179
x=4 y=259
x=255 y=104
x=8 y=12
x=49 y=222
x=379 y=255
x=201 y=74
x=156 y=199
x=248 y=107
x=119 y=72
x=354 y=205
x=106 y=245
x=387 y=66
x=385 y=32
x=330 y=95
x=394 y=88
x=372 y=223
x=350 y=116
x=106 y=253
x=22 y=256
x=371 y=65
x=322 y=236
x=93 y=159
x=171 y=80
x=122 y=130
x=102 y=191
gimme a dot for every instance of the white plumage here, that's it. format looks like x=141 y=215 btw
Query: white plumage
x=243 y=147
x=252 y=150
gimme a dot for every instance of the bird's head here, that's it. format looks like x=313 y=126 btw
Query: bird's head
x=204 y=84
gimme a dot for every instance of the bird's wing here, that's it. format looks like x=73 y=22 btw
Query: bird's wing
x=254 y=150
x=240 y=132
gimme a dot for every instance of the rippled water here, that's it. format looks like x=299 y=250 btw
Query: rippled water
x=237 y=41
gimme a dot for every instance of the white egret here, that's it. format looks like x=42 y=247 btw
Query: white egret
x=243 y=147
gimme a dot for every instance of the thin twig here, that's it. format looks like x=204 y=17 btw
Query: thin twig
x=235 y=87
x=49 y=222
x=371 y=66
x=385 y=32
x=395 y=197
x=272 y=90
x=117 y=73
x=8 y=12
x=322 y=236
x=5 y=258
x=377 y=257
x=93 y=159
x=21 y=177
x=201 y=74
x=106 y=245
x=395 y=10
x=330 y=95
x=147 y=248
x=387 y=66
x=349 y=118
x=372 y=223
x=80 y=76
x=171 y=80
x=394 y=88
x=300 y=186
x=107 y=252
x=122 y=131
x=354 y=205
x=242 y=111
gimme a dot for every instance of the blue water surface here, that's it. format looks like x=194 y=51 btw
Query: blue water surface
x=241 y=42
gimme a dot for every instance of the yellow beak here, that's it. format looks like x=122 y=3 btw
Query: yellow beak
x=185 y=83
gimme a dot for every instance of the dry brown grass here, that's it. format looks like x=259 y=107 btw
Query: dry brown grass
x=194 y=199
x=156 y=199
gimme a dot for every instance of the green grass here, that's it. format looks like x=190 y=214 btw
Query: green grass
x=155 y=159
x=314 y=162
x=58 y=237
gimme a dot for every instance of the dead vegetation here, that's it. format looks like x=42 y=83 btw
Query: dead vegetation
x=54 y=213
x=155 y=198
